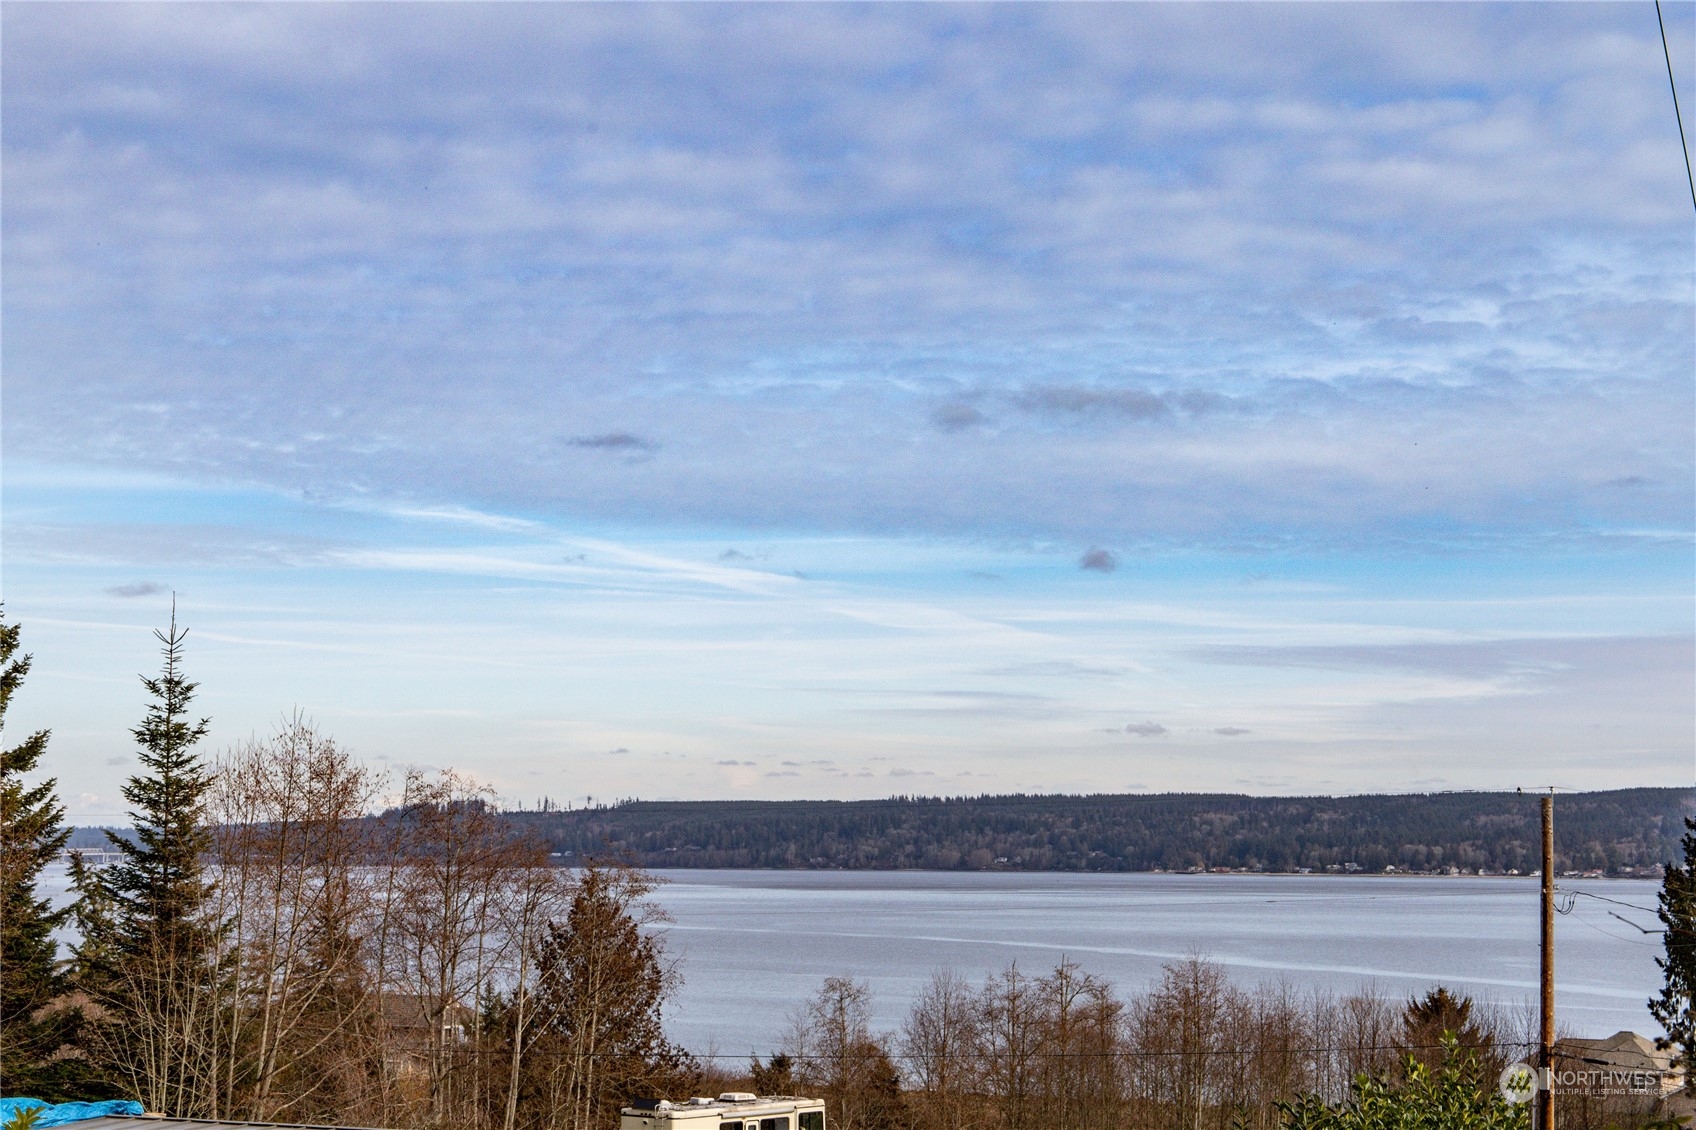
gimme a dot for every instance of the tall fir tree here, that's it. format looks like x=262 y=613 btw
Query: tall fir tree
x=1428 y=1020
x=150 y=955
x=32 y=833
x=599 y=1040
x=159 y=886
x=1675 y=1008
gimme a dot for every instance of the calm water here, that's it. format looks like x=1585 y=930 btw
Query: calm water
x=754 y=944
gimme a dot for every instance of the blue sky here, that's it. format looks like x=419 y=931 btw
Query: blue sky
x=839 y=400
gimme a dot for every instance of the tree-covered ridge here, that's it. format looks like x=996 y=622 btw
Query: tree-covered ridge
x=1621 y=832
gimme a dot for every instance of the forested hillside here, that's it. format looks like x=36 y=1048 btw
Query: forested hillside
x=1621 y=832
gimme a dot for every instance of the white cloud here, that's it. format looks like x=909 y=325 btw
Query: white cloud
x=783 y=262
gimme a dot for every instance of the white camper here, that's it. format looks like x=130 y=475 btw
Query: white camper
x=733 y=1110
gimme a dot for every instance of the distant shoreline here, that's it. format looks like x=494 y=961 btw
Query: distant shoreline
x=1625 y=833
x=662 y=868
x=63 y=860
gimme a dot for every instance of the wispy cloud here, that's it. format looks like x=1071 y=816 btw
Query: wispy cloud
x=1499 y=658
x=458 y=516
x=613 y=566
x=1098 y=560
x=613 y=441
x=137 y=588
x=1058 y=669
x=957 y=417
x=1133 y=403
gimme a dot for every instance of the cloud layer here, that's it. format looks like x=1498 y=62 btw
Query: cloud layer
x=1407 y=272
x=828 y=399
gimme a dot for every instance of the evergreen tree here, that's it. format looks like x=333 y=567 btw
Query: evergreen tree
x=1427 y=1021
x=774 y=1078
x=1675 y=1008
x=150 y=959
x=604 y=979
x=32 y=834
x=159 y=886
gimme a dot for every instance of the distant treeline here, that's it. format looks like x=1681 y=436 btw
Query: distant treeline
x=1622 y=832
x=94 y=838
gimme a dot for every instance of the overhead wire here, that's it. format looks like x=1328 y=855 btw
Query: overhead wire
x=1635 y=926
x=1616 y=937
x=1604 y=898
x=1683 y=146
x=1122 y=1053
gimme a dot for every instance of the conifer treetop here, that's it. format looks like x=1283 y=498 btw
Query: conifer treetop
x=32 y=834
x=31 y=818
x=162 y=865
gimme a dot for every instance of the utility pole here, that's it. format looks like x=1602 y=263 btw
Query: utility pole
x=1545 y=1110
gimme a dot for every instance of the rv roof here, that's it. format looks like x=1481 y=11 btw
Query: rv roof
x=735 y=1103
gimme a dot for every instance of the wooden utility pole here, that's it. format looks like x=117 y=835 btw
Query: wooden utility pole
x=1545 y=1110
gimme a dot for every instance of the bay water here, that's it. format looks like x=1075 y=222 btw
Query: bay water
x=752 y=946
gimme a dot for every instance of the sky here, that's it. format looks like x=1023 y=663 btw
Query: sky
x=820 y=400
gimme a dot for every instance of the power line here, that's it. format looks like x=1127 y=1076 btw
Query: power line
x=1683 y=146
x=1633 y=925
x=1118 y=1053
x=1622 y=939
x=1616 y=902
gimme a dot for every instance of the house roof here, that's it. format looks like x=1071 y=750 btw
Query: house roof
x=409 y=1010
x=1626 y=1050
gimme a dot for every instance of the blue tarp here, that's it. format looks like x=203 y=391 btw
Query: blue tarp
x=57 y=1114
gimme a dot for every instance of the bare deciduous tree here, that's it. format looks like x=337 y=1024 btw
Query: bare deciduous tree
x=1078 y=1078
x=835 y=1053
x=937 y=1046
x=447 y=941
x=291 y=836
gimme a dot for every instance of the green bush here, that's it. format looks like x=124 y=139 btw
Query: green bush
x=1455 y=1096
